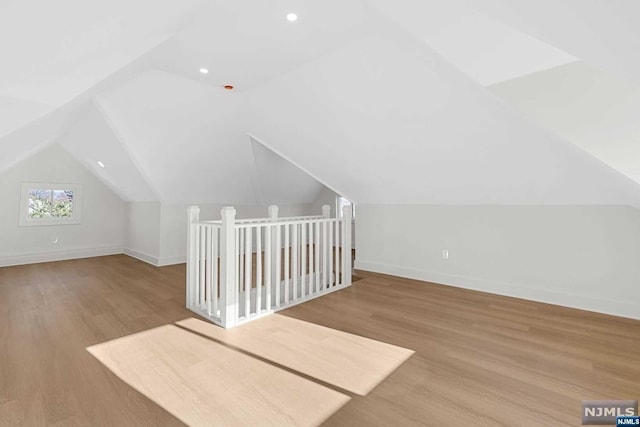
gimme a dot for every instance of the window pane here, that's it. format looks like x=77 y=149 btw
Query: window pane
x=62 y=204
x=39 y=203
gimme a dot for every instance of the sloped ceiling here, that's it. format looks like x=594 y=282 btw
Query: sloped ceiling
x=585 y=105
x=393 y=102
x=54 y=61
x=437 y=137
x=38 y=37
x=485 y=49
x=272 y=174
x=604 y=34
x=248 y=42
x=16 y=113
x=90 y=140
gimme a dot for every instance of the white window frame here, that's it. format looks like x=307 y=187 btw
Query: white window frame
x=76 y=215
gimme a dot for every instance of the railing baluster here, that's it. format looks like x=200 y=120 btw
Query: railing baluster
x=247 y=272
x=325 y=264
x=294 y=260
x=337 y=253
x=203 y=267
x=196 y=301
x=330 y=249
x=238 y=280
x=278 y=264
x=241 y=282
x=287 y=272
x=214 y=270
x=303 y=264
x=311 y=258
x=209 y=243
x=316 y=251
x=267 y=267
x=259 y=269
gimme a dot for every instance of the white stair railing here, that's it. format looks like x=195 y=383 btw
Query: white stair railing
x=242 y=269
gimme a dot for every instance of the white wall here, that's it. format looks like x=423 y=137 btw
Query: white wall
x=142 y=231
x=101 y=231
x=586 y=257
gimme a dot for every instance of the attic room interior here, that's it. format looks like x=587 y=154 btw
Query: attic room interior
x=305 y=213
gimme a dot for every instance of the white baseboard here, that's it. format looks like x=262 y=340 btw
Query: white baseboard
x=155 y=261
x=172 y=260
x=57 y=256
x=149 y=259
x=23 y=259
x=582 y=302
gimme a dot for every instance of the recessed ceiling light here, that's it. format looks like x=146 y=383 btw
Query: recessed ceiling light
x=204 y=71
x=100 y=164
x=291 y=17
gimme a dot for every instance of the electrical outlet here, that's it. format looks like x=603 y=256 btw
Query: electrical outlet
x=445 y=254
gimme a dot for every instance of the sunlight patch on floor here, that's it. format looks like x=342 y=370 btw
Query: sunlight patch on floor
x=344 y=360
x=202 y=382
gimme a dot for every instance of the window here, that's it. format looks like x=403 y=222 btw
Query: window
x=342 y=202
x=50 y=204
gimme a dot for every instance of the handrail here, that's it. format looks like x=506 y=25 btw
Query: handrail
x=263 y=220
x=291 y=222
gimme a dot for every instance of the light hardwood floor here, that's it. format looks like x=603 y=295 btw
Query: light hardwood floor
x=486 y=359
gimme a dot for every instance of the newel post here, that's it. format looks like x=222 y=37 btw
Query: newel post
x=193 y=216
x=228 y=285
x=347 y=215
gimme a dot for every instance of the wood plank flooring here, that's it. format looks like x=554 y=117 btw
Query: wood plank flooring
x=494 y=361
x=206 y=383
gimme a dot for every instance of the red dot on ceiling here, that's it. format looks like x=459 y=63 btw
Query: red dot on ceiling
x=228 y=87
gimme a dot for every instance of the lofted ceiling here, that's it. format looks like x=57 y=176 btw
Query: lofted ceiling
x=485 y=49
x=437 y=137
x=410 y=101
x=587 y=106
x=248 y=42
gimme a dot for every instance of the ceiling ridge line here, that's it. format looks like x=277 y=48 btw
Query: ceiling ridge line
x=125 y=146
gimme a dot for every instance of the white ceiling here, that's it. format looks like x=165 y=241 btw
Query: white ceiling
x=38 y=36
x=436 y=138
x=588 y=107
x=244 y=43
x=17 y=113
x=485 y=49
x=188 y=141
x=604 y=34
x=464 y=101
x=92 y=139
